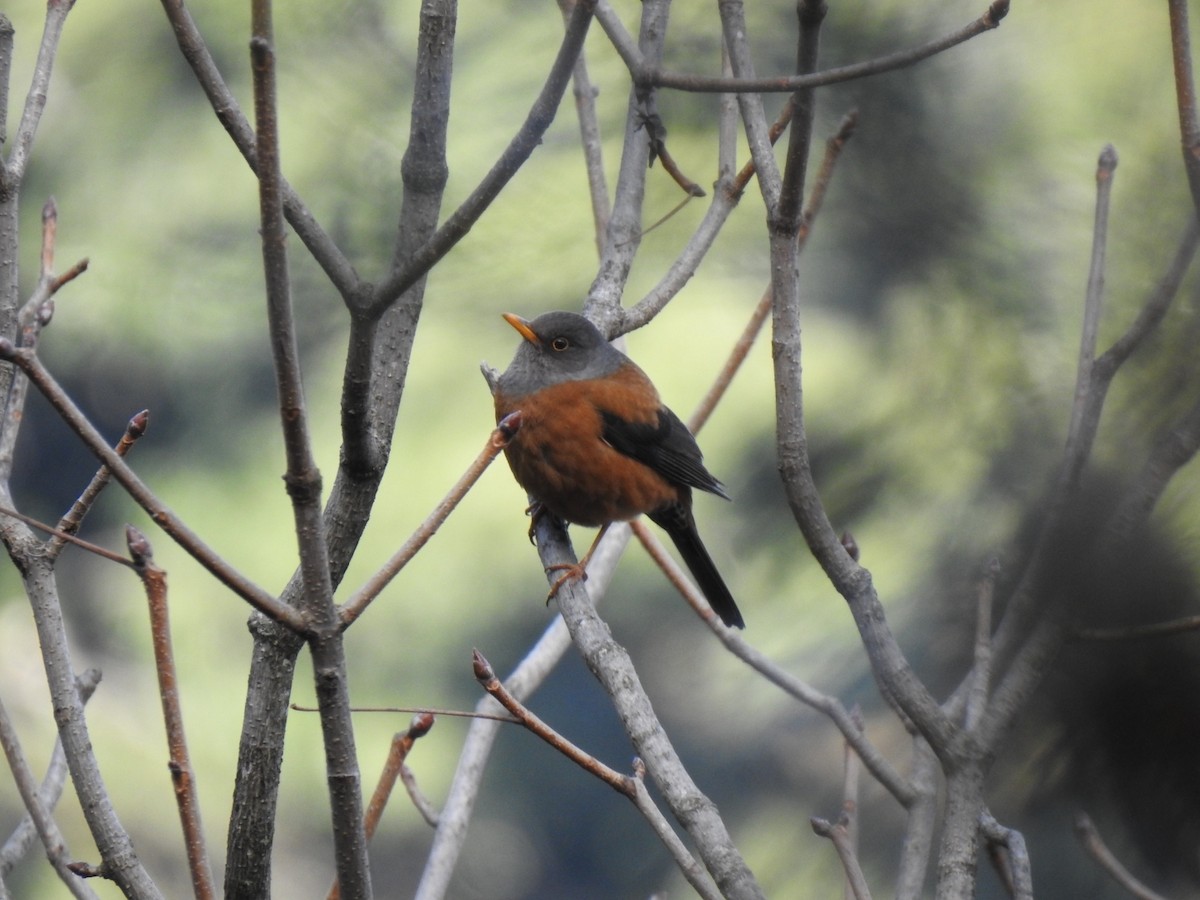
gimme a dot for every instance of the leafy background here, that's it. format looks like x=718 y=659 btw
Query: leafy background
x=944 y=293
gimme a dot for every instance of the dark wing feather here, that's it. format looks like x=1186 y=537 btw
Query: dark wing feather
x=666 y=446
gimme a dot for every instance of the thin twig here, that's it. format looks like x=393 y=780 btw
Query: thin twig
x=605 y=296
x=1185 y=625
x=419 y=801
x=541 y=114
x=497 y=441
x=47 y=829
x=981 y=672
x=1085 y=412
x=837 y=833
x=1017 y=869
x=1185 y=94
x=1089 y=836
x=589 y=136
x=833 y=149
x=228 y=111
x=66 y=537
x=267 y=604
x=183 y=777
x=1156 y=305
x=70 y=522
x=649 y=76
x=415 y=710
x=632 y=787
x=735 y=642
x=402 y=744
x=486 y=676
x=851 y=770
x=13 y=171
x=50 y=790
x=303 y=480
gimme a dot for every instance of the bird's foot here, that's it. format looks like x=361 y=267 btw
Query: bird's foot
x=571 y=572
x=536 y=510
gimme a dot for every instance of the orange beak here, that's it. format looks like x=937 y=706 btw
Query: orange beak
x=522 y=326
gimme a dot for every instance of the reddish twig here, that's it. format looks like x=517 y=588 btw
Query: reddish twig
x=402 y=743
x=632 y=787
x=497 y=441
x=486 y=676
x=154 y=580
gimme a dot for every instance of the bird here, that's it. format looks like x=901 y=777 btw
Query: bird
x=596 y=444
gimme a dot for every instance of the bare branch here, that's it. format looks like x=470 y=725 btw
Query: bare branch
x=1089 y=836
x=529 y=674
x=838 y=833
x=303 y=480
x=922 y=819
x=13 y=171
x=1185 y=94
x=183 y=777
x=70 y=522
x=401 y=745
x=1140 y=632
x=981 y=671
x=125 y=476
x=735 y=642
x=1155 y=307
x=1089 y=397
x=1017 y=869
x=66 y=537
x=497 y=441
x=589 y=134
x=541 y=114
x=647 y=74
x=55 y=779
x=194 y=50
x=47 y=829
x=633 y=788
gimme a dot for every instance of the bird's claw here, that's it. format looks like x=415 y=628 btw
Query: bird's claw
x=571 y=572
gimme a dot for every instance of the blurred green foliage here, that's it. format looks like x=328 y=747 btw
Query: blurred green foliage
x=944 y=287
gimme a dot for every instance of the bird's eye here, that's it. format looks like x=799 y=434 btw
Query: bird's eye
x=560 y=344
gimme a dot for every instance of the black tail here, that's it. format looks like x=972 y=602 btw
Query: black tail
x=679 y=524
